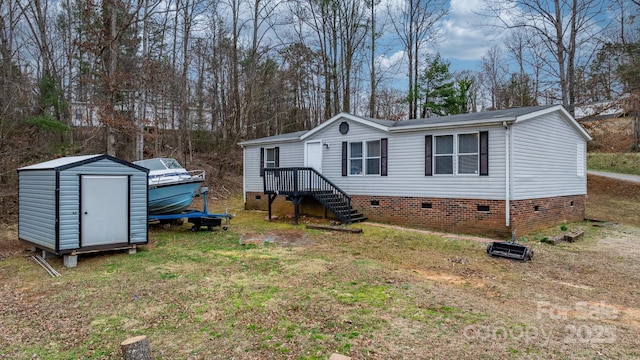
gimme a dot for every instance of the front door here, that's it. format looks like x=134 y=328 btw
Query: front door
x=313 y=155
x=104 y=210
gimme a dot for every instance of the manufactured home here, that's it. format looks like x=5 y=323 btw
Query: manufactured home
x=80 y=204
x=483 y=173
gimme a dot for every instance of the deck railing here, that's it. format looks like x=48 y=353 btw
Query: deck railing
x=305 y=181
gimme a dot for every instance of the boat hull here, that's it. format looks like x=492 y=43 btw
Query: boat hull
x=172 y=198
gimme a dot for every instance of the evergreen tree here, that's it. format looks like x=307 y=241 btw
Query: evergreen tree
x=442 y=93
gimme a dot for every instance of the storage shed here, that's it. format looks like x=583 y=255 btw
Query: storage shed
x=80 y=204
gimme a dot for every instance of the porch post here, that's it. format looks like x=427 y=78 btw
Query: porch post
x=296 y=206
x=271 y=198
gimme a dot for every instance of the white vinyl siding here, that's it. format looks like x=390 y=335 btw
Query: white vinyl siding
x=580 y=160
x=291 y=155
x=544 y=160
x=405 y=165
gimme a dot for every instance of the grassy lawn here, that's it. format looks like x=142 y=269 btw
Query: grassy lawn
x=624 y=163
x=383 y=294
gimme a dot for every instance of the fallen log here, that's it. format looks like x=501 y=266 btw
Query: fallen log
x=334 y=228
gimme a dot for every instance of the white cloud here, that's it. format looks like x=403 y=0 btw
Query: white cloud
x=391 y=62
x=466 y=34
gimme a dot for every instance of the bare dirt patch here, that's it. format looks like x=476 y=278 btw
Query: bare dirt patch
x=281 y=238
x=9 y=243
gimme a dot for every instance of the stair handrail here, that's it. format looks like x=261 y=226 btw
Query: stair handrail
x=272 y=173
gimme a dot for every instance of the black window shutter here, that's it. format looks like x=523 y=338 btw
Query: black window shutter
x=428 y=155
x=261 y=161
x=344 y=158
x=383 y=157
x=484 y=153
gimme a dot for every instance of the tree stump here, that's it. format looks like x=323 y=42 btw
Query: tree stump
x=136 y=348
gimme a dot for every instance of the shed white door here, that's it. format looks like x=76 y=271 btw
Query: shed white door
x=104 y=210
x=313 y=155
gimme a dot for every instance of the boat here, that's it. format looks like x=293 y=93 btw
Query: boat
x=171 y=187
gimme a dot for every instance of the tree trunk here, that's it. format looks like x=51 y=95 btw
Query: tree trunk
x=372 y=94
x=636 y=131
x=109 y=133
x=136 y=348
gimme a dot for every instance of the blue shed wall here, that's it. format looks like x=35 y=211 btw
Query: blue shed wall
x=37 y=207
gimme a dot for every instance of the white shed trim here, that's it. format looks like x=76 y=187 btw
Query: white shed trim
x=343 y=116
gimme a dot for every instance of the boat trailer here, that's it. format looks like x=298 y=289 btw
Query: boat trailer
x=199 y=219
x=510 y=249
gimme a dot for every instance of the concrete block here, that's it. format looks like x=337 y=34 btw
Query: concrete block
x=47 y=255
x=70 y=260
x=132 y=251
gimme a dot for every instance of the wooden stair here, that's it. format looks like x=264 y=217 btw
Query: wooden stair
x=339 y=206
x=297 y=183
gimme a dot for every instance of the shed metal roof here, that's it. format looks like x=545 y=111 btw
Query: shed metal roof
x=73 y=161
x=57 y=163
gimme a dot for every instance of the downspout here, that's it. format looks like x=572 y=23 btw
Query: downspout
x=507 y=174
x=244 y=176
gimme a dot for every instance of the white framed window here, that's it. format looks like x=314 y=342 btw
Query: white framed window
x=443 y=155
x=456 y=154
x=373 y=158
x=468 y=146
x=355 y=158
x=364 y=158
x=270 y=157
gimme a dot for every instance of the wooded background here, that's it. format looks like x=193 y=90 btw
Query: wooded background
x=192 y=78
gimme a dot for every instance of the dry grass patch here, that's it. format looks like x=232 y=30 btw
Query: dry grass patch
x=613 y=200
x=383 y=294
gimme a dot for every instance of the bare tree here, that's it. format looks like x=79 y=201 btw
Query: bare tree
x=373 y=36
x=415 y=25
x=353 y=30
x=495 y=70
x=519 y=45
x=13 y=91
x=564 y=27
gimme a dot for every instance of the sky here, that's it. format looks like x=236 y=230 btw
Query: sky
x=464 y=39
x=466 y=35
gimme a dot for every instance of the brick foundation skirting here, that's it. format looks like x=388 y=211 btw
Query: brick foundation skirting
x=470 y=216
